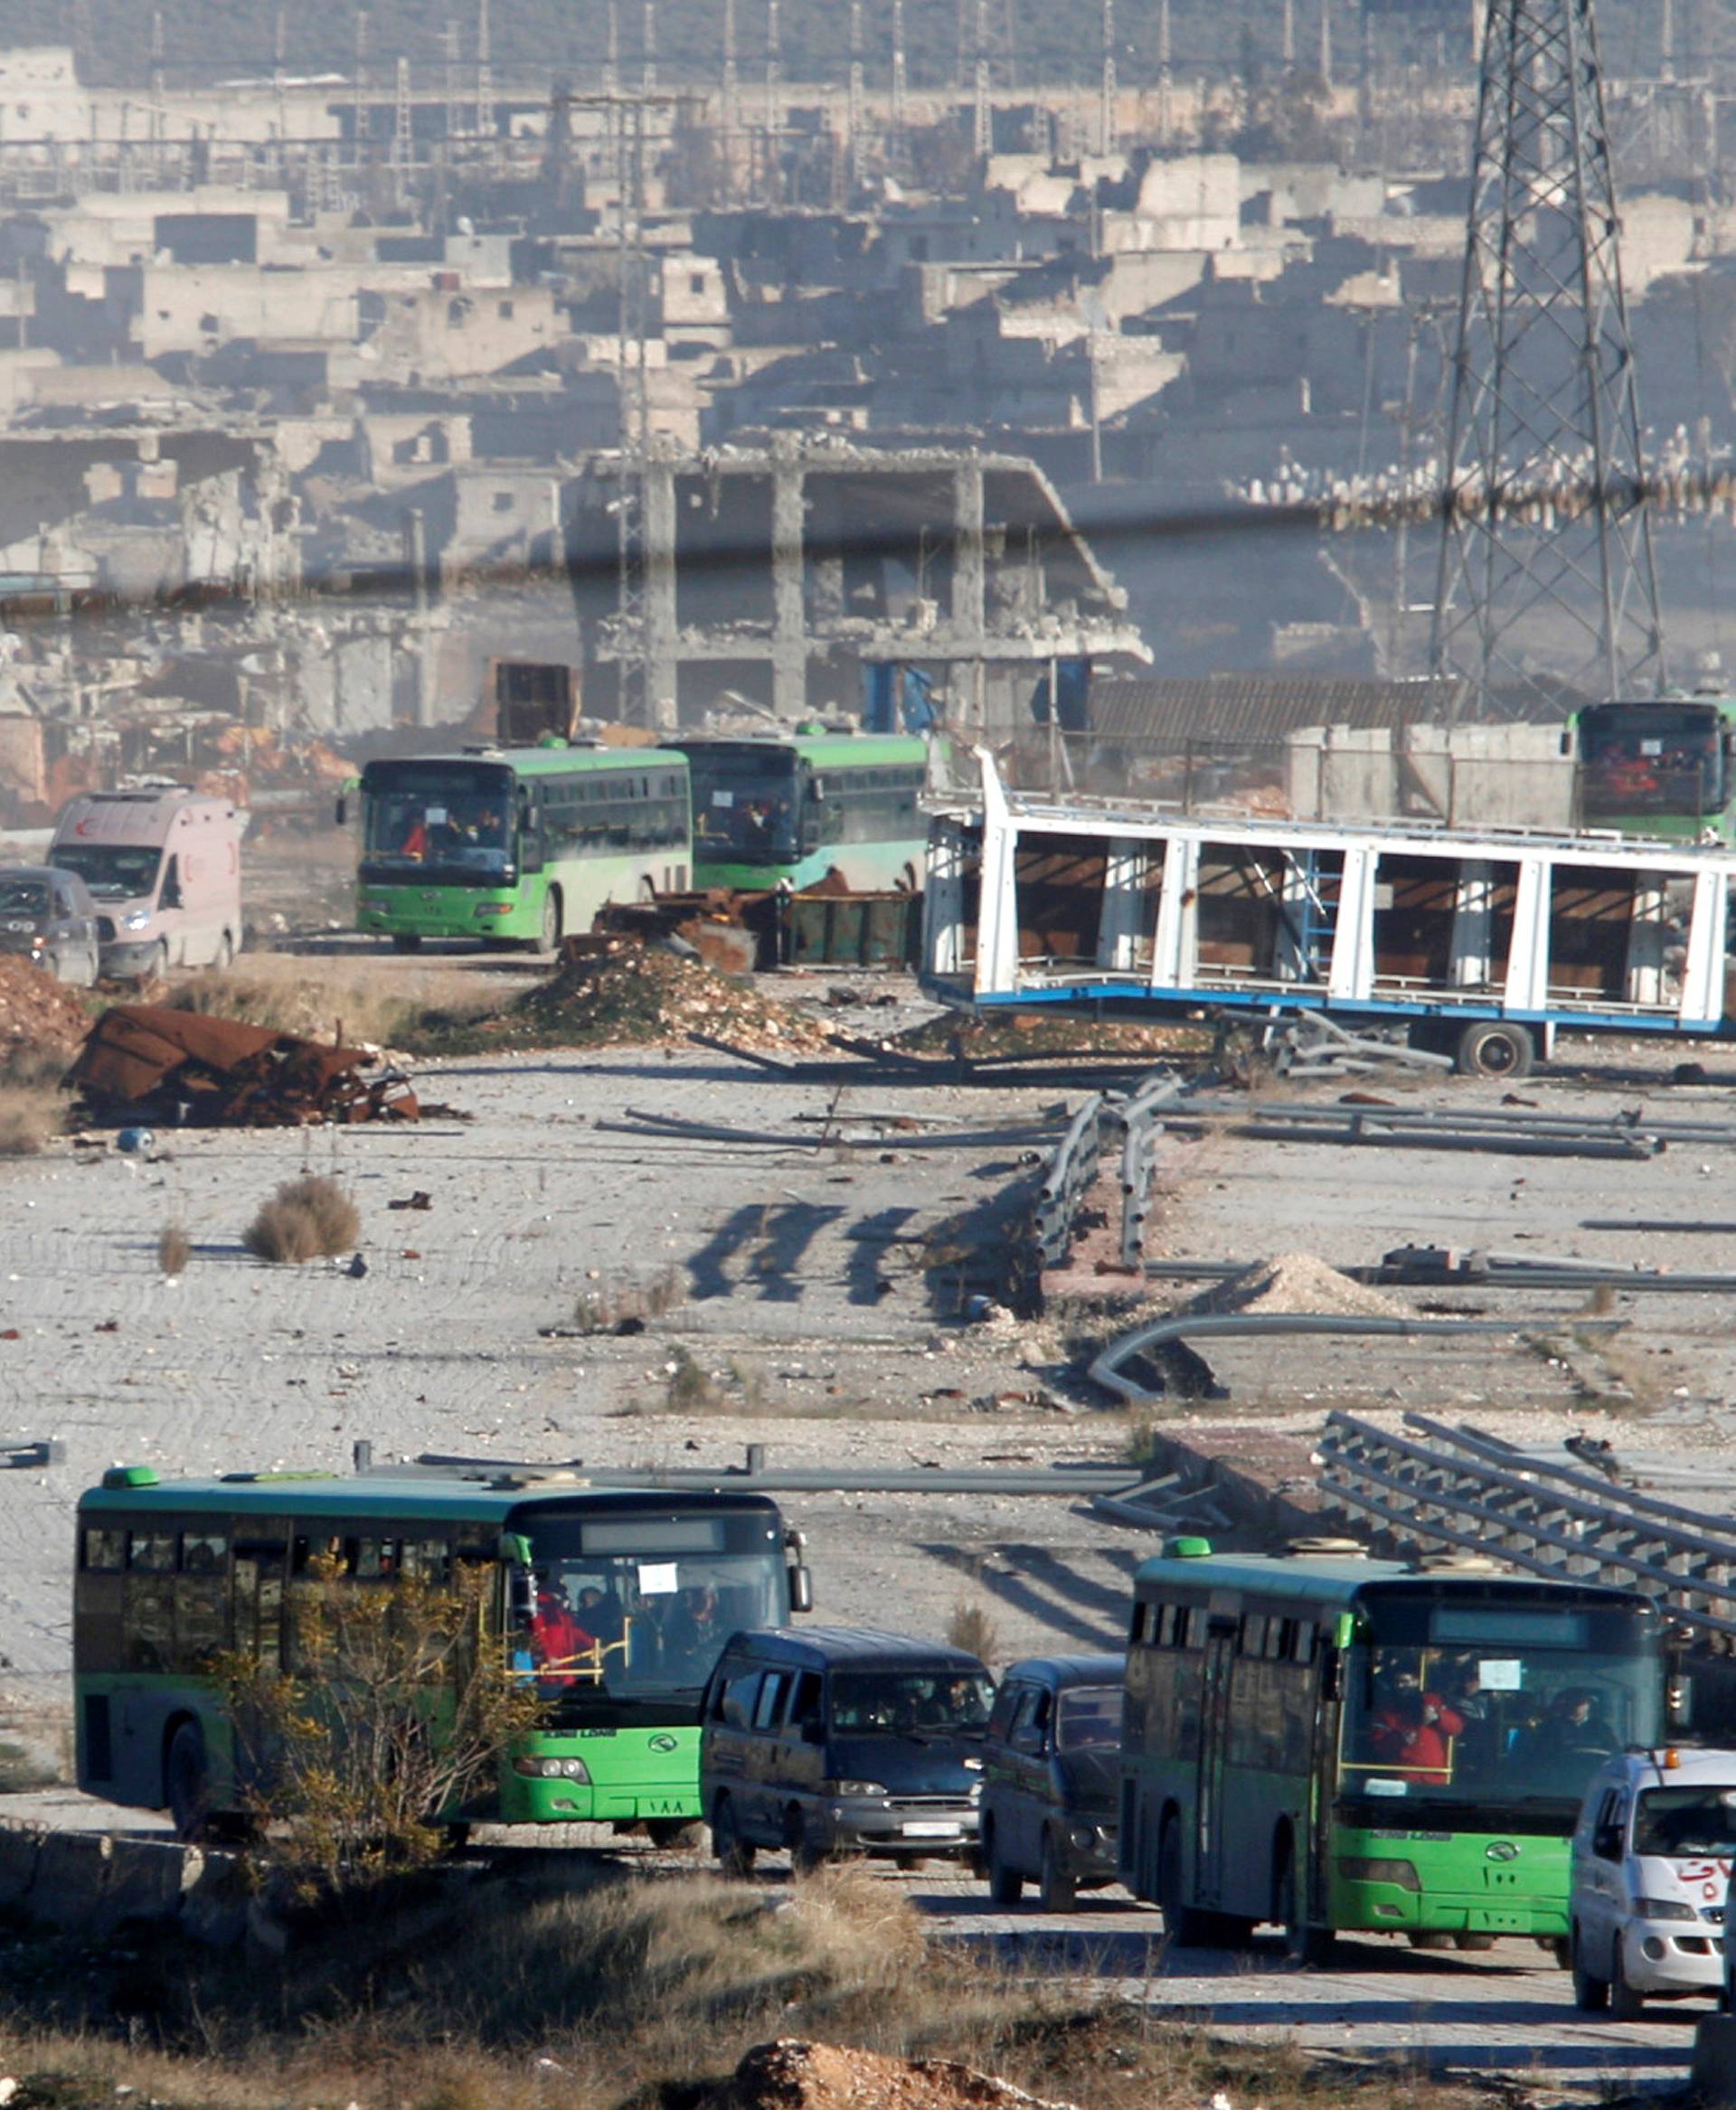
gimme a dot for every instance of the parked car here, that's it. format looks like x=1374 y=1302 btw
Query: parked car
x=49 y=919
x=1650 y=1872
x=841 y=1739
x=163 y=864
x=1050 y=1777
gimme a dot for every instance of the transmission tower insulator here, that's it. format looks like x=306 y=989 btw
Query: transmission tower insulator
x=1546 y=586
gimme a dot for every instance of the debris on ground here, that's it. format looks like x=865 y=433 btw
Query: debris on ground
x=1296 y=1282
x=206 y=1071
x=789 y=2075
x=37 y=1013
x=615 y=994
x=1011 y=1031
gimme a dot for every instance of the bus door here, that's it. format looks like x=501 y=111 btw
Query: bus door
x=1214 y=1744
x=1331 y=1669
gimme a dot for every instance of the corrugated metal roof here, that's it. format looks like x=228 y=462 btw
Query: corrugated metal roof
x=1260 y=706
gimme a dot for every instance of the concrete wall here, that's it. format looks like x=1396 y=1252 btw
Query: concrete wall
x=91 y=1885
x=1466 y=776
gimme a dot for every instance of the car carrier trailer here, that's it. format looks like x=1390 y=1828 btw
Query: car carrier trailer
x=1481 y=943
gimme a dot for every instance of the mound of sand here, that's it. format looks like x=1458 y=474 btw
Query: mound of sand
x=793 y=2076
x=1296 y=1282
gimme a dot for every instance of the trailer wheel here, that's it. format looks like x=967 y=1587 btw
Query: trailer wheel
x=1494 y=1048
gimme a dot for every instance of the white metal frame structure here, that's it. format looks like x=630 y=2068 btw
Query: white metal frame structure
x=1587 y=931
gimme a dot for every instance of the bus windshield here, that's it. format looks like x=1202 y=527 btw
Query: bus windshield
x=1502 y=1705
x=417 y=816
x=114 y=871
x=1651 y=758
x=632 y=1624
x=745 y=804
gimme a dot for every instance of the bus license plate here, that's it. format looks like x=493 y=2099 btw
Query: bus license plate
x=929 y=1831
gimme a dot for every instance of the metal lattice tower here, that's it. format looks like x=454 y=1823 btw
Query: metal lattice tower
x=454 y=97
x=648 y=48
x=982 y=107
x=402 y=134
x=634 y=705
x=774 y=102
x=484 y=75
x=730 y=101
x=361 y=117
x=1546 y=545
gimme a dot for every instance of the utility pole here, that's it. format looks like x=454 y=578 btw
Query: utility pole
x=485 y=77
x=1106 y=94
x=899 y=86
x=402 y=133
x=1546 y=544
x=774 y=102
x=856 y=115
x=360 y=120
x=983 y=114
x=732 y=100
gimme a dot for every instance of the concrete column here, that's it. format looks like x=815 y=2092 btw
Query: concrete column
x=1176 y=943
x=1527 y=982
x=1644 y=975
x=1123 y=883
x=662 y=633
x=1350 y=978
x=788 y=605
x=968 y=575
x=1468 y=965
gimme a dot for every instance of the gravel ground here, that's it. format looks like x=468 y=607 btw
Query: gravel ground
x=806 y=1311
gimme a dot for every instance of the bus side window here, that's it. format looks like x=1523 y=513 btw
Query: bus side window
x=202 y=1600
x=149 y=1617
x=105 y=1551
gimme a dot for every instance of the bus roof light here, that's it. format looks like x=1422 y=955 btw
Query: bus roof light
x=131 y=1476
x=1188 y=1548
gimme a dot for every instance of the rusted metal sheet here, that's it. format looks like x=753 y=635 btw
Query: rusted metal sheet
x=851 y=930
x=221 y=1072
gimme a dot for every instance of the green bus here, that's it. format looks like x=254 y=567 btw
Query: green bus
x=1664 y=768
x=516 y=846
x=172 y=1573
x=789 y=809
x=1331 y=1742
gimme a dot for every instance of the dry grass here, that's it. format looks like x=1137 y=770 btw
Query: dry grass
x=585 y=1989
x=613 y=1305
x=174 y=1248
x=328 y=1001
x=970 y=1627
x=304 y=1220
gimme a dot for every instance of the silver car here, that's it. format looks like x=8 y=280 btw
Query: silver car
x=48 y=917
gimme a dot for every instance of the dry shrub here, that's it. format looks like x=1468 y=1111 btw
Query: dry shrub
x=174 y=1248
x=615 y=1305
x=29 y=1115
x=305 y=1218
x=970 y=1627
x=320 y=999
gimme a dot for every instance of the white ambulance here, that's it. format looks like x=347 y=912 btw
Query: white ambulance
x=1651 y=1854
x=164 y=866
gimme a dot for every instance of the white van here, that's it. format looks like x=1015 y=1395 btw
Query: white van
x=1652 y=1854
x=164 y=866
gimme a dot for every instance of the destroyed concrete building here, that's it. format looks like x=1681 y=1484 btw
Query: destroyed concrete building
x=779 y=572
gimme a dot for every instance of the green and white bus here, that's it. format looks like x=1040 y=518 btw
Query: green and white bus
x=517 y=846
x=1663 y=767
x=1332 y=1742
x=788 y=810
x=171 y=1574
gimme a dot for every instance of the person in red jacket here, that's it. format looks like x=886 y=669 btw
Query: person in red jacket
x=557 y=1639
x=1412 y=1730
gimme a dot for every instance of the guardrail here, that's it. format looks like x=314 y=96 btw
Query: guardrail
x=1462 y=1488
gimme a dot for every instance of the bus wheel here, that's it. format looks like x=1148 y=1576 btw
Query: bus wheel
x=406 y=941
x=1303 y=1943
x=1476 y=1943
x=1590 y=1995
x=187 y=1782
x=734 y=1854
x=549 y=937
x=1187 y=1928
x=1491 y=1048
x=666 y=1831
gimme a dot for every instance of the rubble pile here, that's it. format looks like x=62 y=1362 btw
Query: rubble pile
x=38 y=1014
x=1012 y=1032
x=626 y=994
x=1296 y=1282
x=205 y=1071
x=789 y=2075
